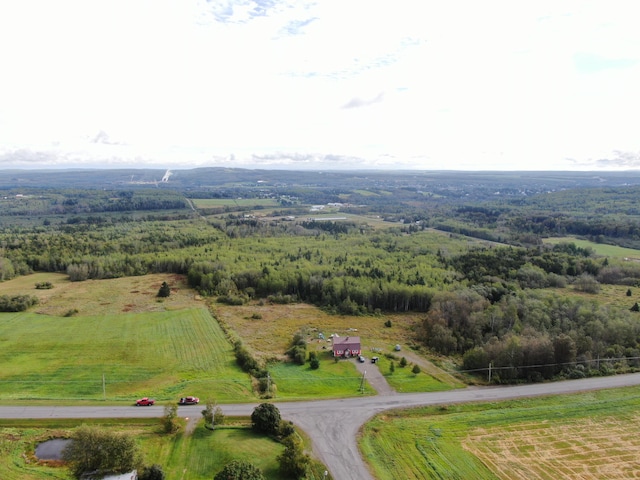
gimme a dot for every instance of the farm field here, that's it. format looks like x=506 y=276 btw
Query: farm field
x=140 y=345
x=234 y=202
x=602 y=249
x=117 y=358
x=592 y=435
x=104 y=297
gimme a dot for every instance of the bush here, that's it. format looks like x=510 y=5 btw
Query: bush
x=239 y=470
x=165 y=290
x=97 y=450
x=293 y=461
x=17 y=303
x=416 y=369
x=170 y=420
x=154 y=472
x=266 y=419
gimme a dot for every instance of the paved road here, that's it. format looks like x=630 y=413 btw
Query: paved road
x=333 y=424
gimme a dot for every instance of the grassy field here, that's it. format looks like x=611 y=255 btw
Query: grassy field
x=234 y=202
x=162 y=354
x=611 y=251
x=592 y=435
x=196 y=455
x=167 y=348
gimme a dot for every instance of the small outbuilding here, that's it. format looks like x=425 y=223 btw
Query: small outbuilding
x=346 y=347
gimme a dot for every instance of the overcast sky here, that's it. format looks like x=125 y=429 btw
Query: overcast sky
x=467 y=85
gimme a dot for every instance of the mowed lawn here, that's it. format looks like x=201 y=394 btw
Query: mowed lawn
x=594 y=435
x=196 y=455
x=118 y=357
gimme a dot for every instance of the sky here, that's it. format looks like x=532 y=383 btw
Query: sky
x=326 y=84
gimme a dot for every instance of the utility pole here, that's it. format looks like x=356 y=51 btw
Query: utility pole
x=362 y=382
x=104 y=388
x=268 y=383
x=490 y=364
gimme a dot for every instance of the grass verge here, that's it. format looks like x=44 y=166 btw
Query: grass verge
x=590 y=435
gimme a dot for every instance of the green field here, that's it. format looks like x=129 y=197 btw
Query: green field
x=611 y=251
x=164 y=354
x=234 y=202
x=333 y=379
x=196 y=455
x=588 y=436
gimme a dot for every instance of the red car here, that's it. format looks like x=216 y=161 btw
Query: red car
x=189 y=400
x=145 y=402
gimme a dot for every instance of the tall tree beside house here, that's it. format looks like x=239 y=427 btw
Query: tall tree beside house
x=165 y=290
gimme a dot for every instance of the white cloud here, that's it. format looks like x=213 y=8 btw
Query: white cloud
x=460 y=84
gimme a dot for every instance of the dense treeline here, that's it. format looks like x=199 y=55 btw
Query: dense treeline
x=64 y=202
x=532 y=336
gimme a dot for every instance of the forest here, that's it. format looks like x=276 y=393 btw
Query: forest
x=466 y=251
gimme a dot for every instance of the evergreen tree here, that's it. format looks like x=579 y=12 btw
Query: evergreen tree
x=165 y=290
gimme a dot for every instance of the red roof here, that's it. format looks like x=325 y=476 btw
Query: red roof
x=346 y=342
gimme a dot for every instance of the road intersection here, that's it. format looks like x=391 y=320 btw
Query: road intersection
x=333 y=425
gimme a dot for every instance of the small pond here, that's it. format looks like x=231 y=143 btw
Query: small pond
x=52 y=449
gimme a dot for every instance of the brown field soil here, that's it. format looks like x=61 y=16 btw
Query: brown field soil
x=103 y=297
x=586 y=449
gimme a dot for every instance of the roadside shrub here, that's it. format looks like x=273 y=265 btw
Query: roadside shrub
x=286 y=429
x=266 y=419
x=170 y=419
x=416 y=369
x=293 y=461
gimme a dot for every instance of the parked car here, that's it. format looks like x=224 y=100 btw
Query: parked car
x=361 y=359
x=189 y=401
x=374 y=359
x=145 y=402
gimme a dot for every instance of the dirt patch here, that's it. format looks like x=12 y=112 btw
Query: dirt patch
x=192 y=423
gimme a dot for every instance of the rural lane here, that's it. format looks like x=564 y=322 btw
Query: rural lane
x=333 y=424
